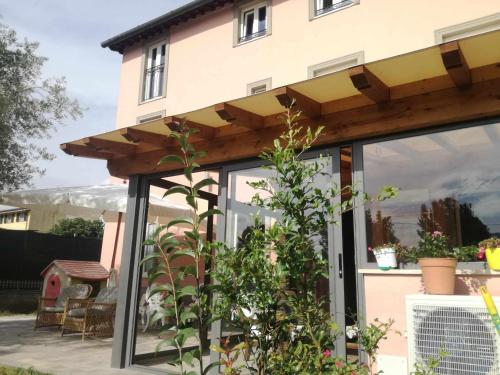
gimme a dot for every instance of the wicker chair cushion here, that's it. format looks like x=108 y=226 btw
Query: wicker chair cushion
x=54 y=309
x=77 y=313
x=107 y=295
x=77 y=291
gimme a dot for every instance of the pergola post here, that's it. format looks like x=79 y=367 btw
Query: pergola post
x=123 y=340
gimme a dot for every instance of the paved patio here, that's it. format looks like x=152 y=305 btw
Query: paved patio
x=45 y=349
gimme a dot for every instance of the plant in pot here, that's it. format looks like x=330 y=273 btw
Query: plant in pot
x=437 y=262
x=385 y=255
x=491 y=247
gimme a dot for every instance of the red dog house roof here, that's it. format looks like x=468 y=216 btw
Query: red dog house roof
x=80 y=269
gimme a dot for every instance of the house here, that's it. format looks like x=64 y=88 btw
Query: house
x=16 y=218
x=408 y=93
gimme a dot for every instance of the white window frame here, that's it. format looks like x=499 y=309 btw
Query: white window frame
x=469 y=28
x=158 y=80
x=255 y=88
x=336 y=65
x=240 y=25
x=317 y=8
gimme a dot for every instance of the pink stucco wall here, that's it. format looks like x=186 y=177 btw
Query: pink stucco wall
x=385 y=299
x=204 y=68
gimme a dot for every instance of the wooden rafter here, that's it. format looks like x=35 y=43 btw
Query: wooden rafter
x=110 y=146
x=84 y=151
x=369 y=84
x=455 y=64
x=239 y=116
x=419 y=111
x=141 y=136
x=309 y=107
x=205 y=132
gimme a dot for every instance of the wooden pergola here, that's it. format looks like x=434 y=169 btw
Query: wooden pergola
x=442 y=84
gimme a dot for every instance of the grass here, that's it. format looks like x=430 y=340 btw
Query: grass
x=4 y=370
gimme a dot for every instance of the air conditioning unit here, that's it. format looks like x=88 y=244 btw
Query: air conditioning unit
x=457 y=325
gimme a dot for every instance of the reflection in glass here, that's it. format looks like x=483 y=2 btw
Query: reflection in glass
x=449 y=181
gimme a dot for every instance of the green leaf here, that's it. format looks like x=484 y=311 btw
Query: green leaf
x=166 y=343
x=183 y=220
x=180 y=253
x=184 y=334
x=188 y=290
x=177 y=190
x=188 y=358
x=205 y=182
x=210 y=212
x=191 y=200
x=161 y=288
x=187 y=315
x=171 y=159
x=149 y=257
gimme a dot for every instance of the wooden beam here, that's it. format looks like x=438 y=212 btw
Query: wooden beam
x=405 y=114
x=204 y=131
x=369 y=84
x=455 y=64
x=141 y=136
x=309 y=107
x=84 y=151
x=239 y=116
x=113 y=147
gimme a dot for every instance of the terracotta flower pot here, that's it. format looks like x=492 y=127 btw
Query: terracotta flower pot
x=438 y=275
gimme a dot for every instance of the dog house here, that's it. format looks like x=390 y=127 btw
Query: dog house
x=61 y=273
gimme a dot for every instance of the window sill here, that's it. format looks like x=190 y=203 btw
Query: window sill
x=151 y=100
x=314 y=16
x=460 y=272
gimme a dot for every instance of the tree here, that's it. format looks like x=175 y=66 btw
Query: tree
x=78 y=227
x=30 y=108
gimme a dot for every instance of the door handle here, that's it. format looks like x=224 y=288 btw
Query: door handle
x=340 y=266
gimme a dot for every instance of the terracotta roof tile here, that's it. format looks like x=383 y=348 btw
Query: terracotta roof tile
x=80 y=269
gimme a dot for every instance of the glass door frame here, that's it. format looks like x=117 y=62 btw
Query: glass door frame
x=335 y=282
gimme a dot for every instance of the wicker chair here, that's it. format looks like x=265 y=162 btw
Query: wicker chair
x=92 y=318
x=47 y=316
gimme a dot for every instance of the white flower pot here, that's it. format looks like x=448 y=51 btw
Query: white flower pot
x=386 y=258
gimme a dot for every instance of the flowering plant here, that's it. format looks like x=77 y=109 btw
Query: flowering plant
x=469 y=253
x=490 y=243
x=431 y=245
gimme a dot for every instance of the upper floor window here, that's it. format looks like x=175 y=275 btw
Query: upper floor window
x=253 y=21
x=259 y=87
x=325 y=6
x=154 y=73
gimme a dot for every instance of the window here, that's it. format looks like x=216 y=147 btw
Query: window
x=469 y=28
x=320 y=7
x=449 y=181
x=336 y=65
x=154 y=73
x=259 y=87
x=9 y=218
x=253 y=21
x=21 y=216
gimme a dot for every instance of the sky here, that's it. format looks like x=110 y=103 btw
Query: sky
x=70 y=33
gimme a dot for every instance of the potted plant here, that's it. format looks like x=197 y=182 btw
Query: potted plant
x=437 y=262
x=385 y=255
x=491 y=247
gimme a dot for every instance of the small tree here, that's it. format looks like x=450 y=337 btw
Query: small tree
x=185 y=305
x=30 y=107
x=78 y=227
x=268 y=287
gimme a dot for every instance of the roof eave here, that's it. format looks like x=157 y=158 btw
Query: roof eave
x=192 y=9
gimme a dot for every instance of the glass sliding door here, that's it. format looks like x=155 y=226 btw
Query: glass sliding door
x=239 y=219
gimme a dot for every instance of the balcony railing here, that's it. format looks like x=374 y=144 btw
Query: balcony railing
x=334 y=6
x=258 y=34
x=153 y=81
